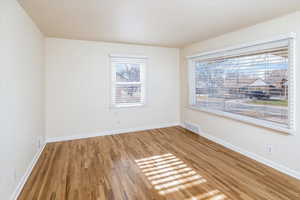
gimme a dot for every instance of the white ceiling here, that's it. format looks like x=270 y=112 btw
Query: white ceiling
x=172 y=23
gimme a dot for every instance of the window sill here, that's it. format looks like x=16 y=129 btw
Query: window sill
x=248 y=120
x=136 y=105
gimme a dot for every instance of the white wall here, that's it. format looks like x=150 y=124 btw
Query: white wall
x=21 y=93
x=78 y=94
x=245 y=136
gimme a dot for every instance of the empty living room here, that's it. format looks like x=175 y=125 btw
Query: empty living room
x=150 y=100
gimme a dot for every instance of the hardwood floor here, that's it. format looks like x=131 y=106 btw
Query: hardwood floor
x=169 y=163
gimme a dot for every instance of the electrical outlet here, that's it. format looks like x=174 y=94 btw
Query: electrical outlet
x=269 y=148
x=39 y=142
x=15 y=176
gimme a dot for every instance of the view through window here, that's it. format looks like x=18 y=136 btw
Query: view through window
x=128 y=82
x=253 y=84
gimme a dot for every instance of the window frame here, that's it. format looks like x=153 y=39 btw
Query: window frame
x=290 y=129
x=127 y=59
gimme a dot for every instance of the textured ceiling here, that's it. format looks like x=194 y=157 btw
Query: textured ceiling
x=171 y=23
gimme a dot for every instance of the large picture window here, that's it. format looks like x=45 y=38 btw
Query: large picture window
x=128 y=81
x=253 y=83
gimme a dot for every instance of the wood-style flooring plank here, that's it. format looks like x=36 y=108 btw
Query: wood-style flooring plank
x=160 y=164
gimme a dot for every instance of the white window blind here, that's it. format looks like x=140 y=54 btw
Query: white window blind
x=252 y=84
x=128 y=81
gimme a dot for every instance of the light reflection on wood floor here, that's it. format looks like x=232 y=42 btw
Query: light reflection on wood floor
x=169 y=174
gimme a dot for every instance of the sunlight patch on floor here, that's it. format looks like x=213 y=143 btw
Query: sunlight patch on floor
x=162 y=166
x=154 y=164
x=167 y=169
x=169 y=174
x=174 y=177
x=205 y=195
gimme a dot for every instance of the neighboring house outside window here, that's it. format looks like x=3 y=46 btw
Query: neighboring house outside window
x=128 y=81
x=252 y=84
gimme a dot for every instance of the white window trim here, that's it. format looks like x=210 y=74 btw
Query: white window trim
x=128 y=58
x=249 y=120
x=242 y=46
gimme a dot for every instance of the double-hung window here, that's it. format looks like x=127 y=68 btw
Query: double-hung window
x=128 y=80
x=252 y=83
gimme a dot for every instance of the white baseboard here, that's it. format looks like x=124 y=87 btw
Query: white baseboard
x=27 y=174
x=251 y=155
x=110 y=132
